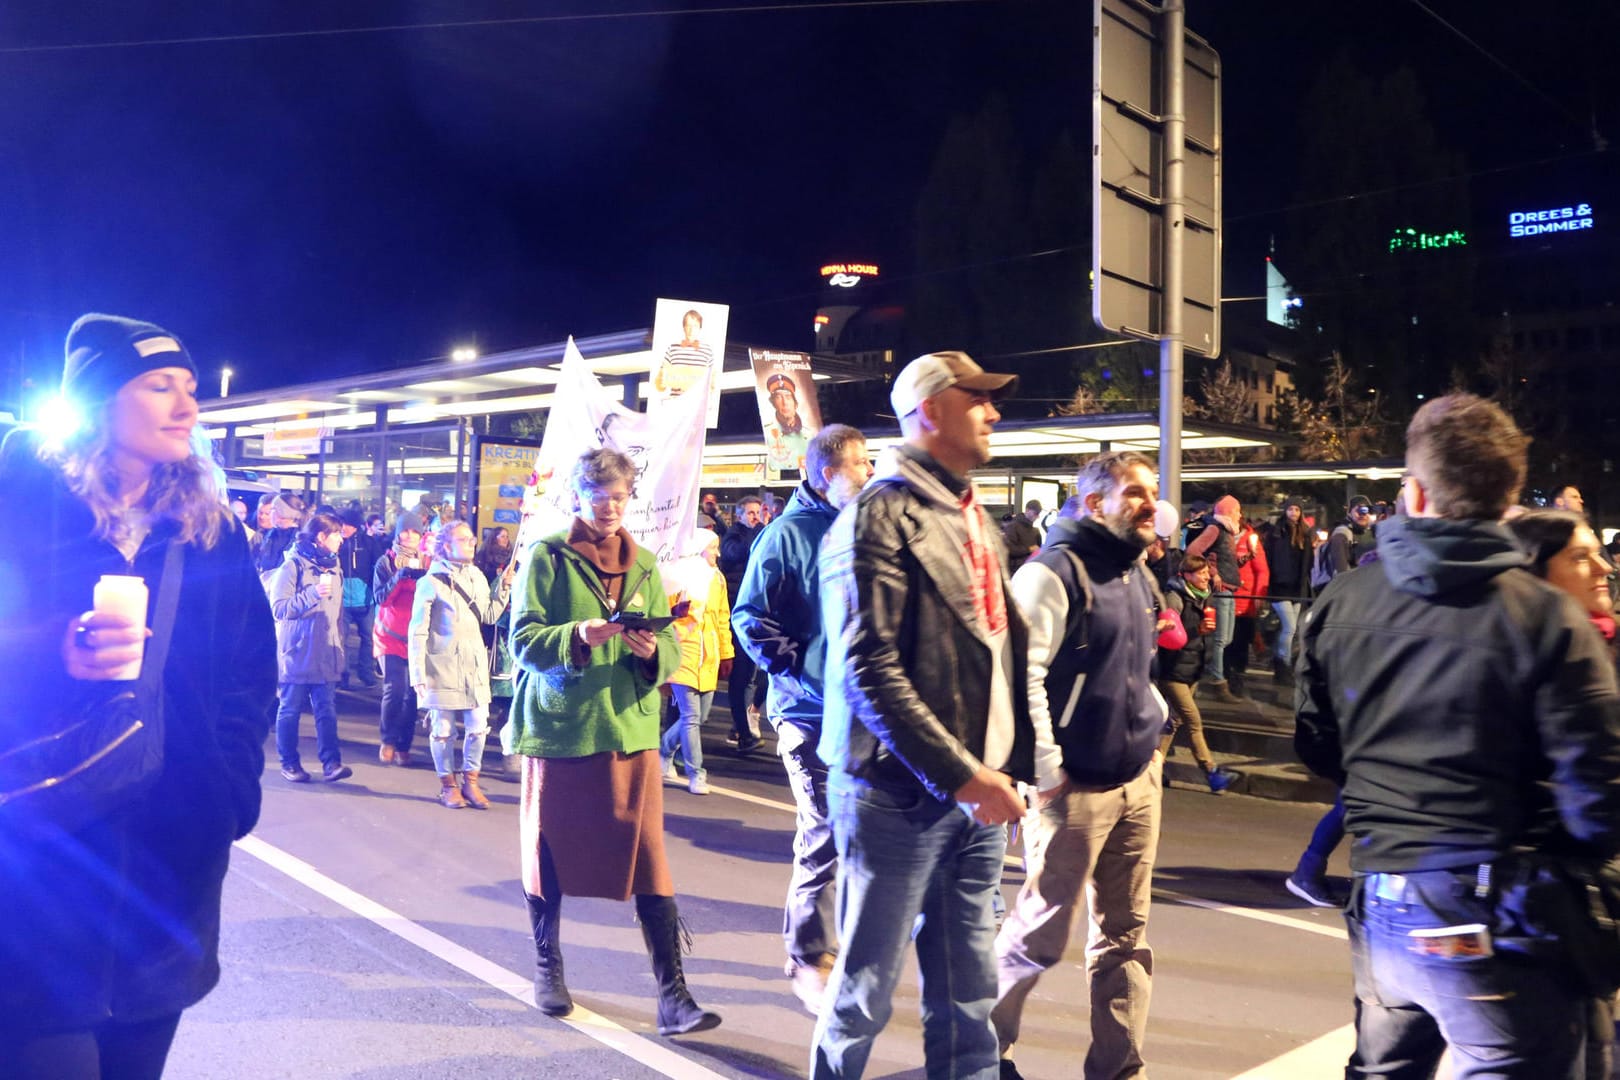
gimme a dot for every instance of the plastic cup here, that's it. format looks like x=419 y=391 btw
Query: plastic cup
x=325 y=584
x=122 y=594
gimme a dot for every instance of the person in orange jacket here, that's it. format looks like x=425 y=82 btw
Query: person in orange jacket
x=1254 y=579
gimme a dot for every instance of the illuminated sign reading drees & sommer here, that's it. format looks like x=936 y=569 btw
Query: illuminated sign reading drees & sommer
x=1557 y=219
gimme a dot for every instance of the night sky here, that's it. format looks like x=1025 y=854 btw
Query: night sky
x=319 y=205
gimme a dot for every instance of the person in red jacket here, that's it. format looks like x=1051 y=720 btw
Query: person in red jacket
x=1254 y=575
x=393 y=585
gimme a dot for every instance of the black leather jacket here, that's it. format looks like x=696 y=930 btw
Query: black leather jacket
x=908 y=670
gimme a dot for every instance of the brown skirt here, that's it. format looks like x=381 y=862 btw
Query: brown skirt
x=602 y=819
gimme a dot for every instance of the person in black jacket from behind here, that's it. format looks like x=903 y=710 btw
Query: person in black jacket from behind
x=1470 y=714
x=109 y=931
x=734 y=549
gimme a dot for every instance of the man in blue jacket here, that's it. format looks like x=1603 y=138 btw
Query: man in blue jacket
x=1090 y=604
x=777 y=619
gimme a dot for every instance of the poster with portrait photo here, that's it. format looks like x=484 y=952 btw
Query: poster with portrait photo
x=789 y=411
x=688 y=346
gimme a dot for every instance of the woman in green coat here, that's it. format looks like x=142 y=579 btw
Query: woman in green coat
x=585 y=720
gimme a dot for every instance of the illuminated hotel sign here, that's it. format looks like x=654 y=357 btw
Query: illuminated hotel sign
x=1559 y=219
x=1412 y=240
x=848 y=275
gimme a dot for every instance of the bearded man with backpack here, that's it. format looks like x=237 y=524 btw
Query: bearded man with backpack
x=1344 y=546
x=1092 y=607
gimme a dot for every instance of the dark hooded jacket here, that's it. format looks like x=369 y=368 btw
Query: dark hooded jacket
x=121 y=920
x=1466 y=706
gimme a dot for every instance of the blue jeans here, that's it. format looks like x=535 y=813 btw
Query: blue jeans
x=1215 y=655
x=475 y=722
x=1503 y=1013
x=808 y=921
x=901 y=855
x=1288 y=616
x=687 y=730
x=1328 y=834
x=364 y=664
x=290 y=707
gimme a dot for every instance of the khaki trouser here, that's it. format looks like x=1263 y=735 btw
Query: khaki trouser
x=1184 y=713
x=1099 y=843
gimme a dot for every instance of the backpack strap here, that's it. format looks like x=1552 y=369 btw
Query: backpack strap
x=455 y=586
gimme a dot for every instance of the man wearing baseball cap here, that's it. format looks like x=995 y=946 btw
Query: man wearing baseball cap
x=929 y=731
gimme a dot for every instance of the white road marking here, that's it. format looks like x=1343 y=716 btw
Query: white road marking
x=1158 y=893
x=1319 y=1057
x=1253 y=913
x=638 y=1048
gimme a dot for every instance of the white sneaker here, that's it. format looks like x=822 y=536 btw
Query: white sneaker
x=698 y=783
x=669 y=770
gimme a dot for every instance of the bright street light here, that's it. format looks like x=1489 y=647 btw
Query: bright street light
x=461 y=354
x=225 y=381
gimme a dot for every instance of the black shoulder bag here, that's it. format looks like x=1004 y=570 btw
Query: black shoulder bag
x=93 y=760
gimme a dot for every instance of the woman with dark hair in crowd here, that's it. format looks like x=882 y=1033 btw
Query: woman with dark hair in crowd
x=495 y=553
x=306 y=597
x=585 y=717
x=1565 y=551
x=1288 y=554
x=111 y=926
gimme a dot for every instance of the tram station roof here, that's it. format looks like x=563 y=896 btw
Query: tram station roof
x=524 y=380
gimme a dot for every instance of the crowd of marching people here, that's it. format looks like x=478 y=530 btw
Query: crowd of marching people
x=930 y=680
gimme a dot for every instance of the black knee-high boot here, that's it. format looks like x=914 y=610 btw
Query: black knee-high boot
x=678 y=1014
x=545 y=920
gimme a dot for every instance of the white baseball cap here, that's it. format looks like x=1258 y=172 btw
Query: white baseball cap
x=936 y=372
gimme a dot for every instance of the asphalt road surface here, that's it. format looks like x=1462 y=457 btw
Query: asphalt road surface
x=371 y=933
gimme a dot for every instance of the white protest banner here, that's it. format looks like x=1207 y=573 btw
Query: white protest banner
x=667 y=448
x=688 y=347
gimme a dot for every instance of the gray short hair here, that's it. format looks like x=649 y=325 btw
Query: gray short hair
x=826 y=451
x=598 y=468
x=1099 y=475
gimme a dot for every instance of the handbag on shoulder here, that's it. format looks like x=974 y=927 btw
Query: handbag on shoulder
x=96 y=756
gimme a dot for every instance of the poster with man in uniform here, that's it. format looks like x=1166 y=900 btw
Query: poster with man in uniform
x=789 y=412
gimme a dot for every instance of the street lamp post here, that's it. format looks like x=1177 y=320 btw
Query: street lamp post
x=225 y=381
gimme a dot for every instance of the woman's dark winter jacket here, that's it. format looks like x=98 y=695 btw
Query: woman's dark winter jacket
x=1290 y=566
x=121 y=920
x=1186 y=664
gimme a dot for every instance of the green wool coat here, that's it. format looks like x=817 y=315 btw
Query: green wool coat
x=563 y=711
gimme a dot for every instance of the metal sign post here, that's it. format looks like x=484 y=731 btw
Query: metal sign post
x=1156 y=199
